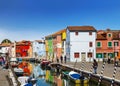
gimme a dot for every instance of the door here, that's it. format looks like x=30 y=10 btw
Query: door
x=83 y=55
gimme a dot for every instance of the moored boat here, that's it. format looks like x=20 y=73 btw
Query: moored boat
x=27 y=68
x=18 y=71
x=77 y=78
x=65 y=74
x=27 y=81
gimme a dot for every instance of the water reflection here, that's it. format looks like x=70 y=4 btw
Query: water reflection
x=41 y=75
x=37 y=71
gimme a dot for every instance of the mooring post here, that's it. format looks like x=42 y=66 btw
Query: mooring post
x=101 y=74
x=114 y=73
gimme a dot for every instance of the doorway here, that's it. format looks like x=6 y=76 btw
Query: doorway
x=83 y=55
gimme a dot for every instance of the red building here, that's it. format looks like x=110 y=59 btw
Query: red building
x=22 y=48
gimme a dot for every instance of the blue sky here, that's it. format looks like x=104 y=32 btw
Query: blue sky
x=34 y=19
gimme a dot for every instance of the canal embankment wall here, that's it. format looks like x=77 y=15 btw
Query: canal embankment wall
x=103 y=77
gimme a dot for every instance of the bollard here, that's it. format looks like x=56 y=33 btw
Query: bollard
x=101 y=74
x=114 y=73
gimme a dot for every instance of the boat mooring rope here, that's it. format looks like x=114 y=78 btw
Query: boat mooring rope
x=114 y=73
x=101 y=74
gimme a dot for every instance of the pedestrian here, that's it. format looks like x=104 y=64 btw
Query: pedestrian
x=57 y=60
x=108 y=60
x=61 y=59
x=95 y=66
x=65 y=58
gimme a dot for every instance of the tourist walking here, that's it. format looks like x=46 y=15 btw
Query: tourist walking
x=65 y=59
x=61 y=58
x=95 y=66
x=57 y=60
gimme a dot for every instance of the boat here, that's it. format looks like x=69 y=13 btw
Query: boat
x=27 y=81
x=44 y=62
x=27 y=68
x=65 y=74
x=77 y=78
x=13 y=62
x=18 y=71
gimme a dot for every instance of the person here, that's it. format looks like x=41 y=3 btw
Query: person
x=57 y=60
x=65 y=58
x=108 y=60
x=95 y=65
x=61 y=59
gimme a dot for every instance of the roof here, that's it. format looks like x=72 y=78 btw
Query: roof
x=101 y=37
x=40 y=41
x=4 y=45
x=56 y=33
x=59 y=32
x=81 y=28
x=116 y=35
x=23 y=42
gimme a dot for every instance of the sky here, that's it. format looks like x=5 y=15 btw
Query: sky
x=35 y=19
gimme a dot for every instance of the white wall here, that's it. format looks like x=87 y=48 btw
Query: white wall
x=39 y=48
x=80 y=43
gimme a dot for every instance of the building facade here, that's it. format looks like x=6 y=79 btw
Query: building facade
x=39 y=49
x=80 y=43
x=107 y=44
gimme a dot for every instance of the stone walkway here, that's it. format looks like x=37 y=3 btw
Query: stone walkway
x=3 y=77
x=108 y=70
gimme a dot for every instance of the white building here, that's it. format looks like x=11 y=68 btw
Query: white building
x=12 y=50
x=80 y=43
x=38 y=49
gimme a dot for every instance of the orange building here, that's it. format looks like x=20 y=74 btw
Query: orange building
x=108 y=44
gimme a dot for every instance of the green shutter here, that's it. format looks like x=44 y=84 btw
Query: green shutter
x=109 y=44
x=99 y=55
x=98 y=44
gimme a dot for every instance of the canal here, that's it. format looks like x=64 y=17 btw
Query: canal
x=43 y=79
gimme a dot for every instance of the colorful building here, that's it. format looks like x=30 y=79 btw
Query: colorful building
x=4 y=46
x=80 y=43
x=22 y=48
x=39 y=49
x=107 y=44
x=49 y=47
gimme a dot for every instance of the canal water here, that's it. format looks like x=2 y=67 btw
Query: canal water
x=40 y=74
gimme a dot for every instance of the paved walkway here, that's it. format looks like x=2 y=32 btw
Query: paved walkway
x=3 y=77
x=108 y=71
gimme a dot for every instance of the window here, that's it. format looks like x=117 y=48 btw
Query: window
x=116 y=54
x=109 y=35
x=90 y=44
x=111 y=55
x=109 y=44
x=98 y=44
x=89 y=54
x=90 y=33
x=99 y=55
x=116 y=44
x=76 y=55
x=76 y=33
